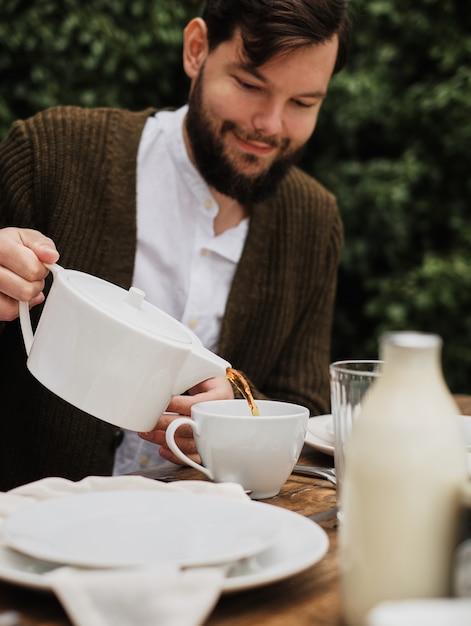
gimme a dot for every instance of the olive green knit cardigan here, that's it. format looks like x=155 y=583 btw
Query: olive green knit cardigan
x=71 y=173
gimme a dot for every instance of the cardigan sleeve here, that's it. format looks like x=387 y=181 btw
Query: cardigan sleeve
x=16 y=179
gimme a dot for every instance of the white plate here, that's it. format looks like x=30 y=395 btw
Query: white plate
x=319 y=434
x=300 y=544
x=126 y=528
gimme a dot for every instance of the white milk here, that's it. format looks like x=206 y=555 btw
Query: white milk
x=406 y=462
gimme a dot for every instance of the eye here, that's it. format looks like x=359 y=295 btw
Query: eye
x=245 y=85
x=302 y=104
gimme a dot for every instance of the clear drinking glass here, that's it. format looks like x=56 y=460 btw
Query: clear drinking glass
x=349 y=381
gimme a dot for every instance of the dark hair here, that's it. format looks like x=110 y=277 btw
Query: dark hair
x=272 y=27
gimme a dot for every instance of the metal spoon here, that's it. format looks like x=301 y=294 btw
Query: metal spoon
x=323 y=472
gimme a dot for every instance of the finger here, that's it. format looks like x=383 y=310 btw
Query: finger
x=21 y=287
x=187 y=446
x=169 y=456
x=22 y=273
x=24 y=252
x=9 y=307
x=218 y=387
x=163 y=423
x=43 y=247
x=183 y=404
x=167 y=418
x=183 y=435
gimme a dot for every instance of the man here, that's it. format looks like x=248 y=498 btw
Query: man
x=202 y=208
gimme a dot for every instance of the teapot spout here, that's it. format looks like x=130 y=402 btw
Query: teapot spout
x=199 y=365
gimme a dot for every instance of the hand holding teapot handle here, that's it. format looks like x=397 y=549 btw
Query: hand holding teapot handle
x=25 y=319
x=23 y=255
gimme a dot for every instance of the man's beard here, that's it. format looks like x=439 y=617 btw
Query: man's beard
x=217 y=169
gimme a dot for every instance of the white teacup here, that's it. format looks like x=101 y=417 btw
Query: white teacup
x=258 y=452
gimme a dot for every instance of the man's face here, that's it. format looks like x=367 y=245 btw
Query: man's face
x=245 y=126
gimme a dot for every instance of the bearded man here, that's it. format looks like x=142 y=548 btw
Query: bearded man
x=203 y=208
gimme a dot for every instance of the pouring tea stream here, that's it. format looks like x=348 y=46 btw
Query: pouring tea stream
x=236 y=378
x=110 y=353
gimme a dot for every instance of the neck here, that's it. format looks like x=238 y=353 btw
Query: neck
x=230 y=214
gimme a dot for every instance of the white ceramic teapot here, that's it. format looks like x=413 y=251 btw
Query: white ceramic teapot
x=110 y=353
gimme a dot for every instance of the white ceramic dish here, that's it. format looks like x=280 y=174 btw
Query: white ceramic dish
x=300 y=544
x=319 y=434
x=126 y=528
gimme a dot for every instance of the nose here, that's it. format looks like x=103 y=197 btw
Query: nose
x=268 y=120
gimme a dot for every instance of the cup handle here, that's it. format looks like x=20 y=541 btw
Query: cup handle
x=25 y=319
x=170 y=439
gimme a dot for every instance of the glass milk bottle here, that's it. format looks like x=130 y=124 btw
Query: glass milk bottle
x=405 y=465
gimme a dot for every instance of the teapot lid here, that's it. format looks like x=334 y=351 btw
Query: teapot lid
x=128 y=307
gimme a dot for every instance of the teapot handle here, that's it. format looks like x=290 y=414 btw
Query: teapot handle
x=26 y=328
x=25 y=319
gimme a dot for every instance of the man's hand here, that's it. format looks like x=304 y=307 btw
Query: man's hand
x=23 y=253
x=211 y=389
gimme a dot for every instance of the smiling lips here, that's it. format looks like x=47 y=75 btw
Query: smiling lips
x=259 y=148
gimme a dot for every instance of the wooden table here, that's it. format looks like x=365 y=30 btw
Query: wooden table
x=310 y=598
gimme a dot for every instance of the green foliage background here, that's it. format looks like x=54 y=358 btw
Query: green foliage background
x=393 y=140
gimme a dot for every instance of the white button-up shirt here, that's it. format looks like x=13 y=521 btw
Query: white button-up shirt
x=181 y=265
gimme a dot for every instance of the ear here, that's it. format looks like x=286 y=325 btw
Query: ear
x=195 y=46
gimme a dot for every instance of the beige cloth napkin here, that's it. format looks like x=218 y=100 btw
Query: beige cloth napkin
x=149 y=596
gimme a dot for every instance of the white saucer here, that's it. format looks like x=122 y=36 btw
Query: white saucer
x=320 y=431
x=319 y=434
x=127 y=528
x=300 y=544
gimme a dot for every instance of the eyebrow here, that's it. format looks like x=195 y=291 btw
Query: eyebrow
x=250 y=69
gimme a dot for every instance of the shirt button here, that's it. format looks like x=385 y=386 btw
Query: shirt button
x=192 y=322
x=144 y=461
x=208 y=204
x=203 y=252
